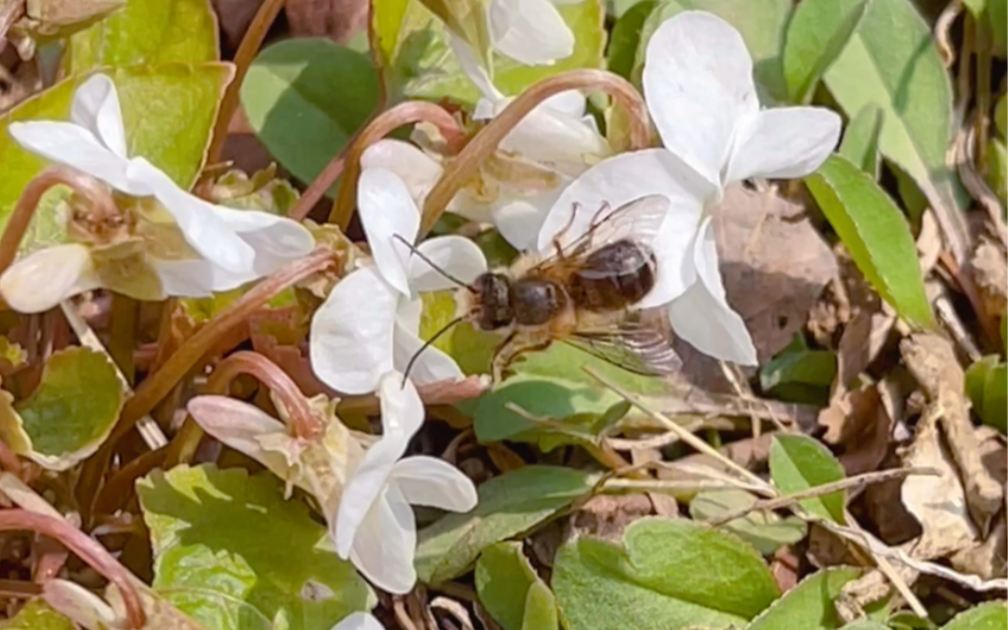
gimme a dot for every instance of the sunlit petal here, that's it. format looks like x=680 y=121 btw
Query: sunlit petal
x=698 y=85
x=554 y=138
x=196 y=277
x=351 y=333
x=430 y=366
x=435 y=483
x=276 y=240
x=358 y=621
x=385 y=545
x=388 y=211
x=620 y=180
x=417 y=169
x=95 y=107
x=783 y=143
x=44 y=278
x=66 y=143
x=456 y=256
x=530 y=31
x=476 y=73
x=519 y=218
x=201 y=224
x=401 y=408
x=702 y=316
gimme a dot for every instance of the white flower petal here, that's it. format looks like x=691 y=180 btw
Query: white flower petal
x=553 y=138
x=358 y=621
x=95 y=107
x=417 y=169
x=520 y=218
x=572 y=102
x=529 y=31
x=431 y=366
x=79 y=604
x=351 y=333
x=402 y=410
x=387 y=210
x=457 y=256
x=435 y=483
x=386 y=543
x=275 y=240
x=702 y=316
x=201 y=224
x=66 y=143
x=783 y=143
x=196 y=277
x=698 y=85
x=44 y=278
x=474 y=70
x=620 y=180
x=238 y=425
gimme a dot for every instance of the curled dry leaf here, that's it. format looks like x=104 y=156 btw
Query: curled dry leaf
x=990 y=271
x=775 y=264
x=607 y=516
x=862 y=421
x=337 y=19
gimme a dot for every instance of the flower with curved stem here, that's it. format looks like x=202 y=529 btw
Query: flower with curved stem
x=163 y=242
x=519 y=183
x=699 y=89
x=375 y=527
x=369 y=323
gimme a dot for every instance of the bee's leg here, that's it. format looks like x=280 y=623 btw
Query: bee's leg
x=501 y=357
x=566 y=228
x=515 y=345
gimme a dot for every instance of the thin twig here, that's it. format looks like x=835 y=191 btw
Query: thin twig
x=156 y=386
x=684 y=435
x=484 y=143
x=246 y=52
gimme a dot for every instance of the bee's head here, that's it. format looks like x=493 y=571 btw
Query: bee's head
x=489 y=301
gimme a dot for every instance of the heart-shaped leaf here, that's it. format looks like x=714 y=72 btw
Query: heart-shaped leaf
x=986 y=616
x=510 y=590
x=667 y=574
x=146 y=32
x=233 y=554
x=809 y=605
x=37 y=615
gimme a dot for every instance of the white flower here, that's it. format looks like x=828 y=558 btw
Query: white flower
x=358 y=621
x=376 y=528
x=540 y=156
x=369 y=323
x=699 y=89
x=217 y=248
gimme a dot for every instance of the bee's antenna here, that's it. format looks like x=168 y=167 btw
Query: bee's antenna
x=427 y=344
x=430 y=262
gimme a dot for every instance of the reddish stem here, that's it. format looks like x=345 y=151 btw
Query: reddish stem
x=305 y=423
x=96 y=556
x=464 y=167
x=87 y=187
x=243 y=58
x=385 y=123
x=158 y=385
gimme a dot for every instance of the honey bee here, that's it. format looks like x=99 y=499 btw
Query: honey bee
x=585 y=294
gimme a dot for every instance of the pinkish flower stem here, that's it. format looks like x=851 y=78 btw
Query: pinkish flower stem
x=465 y=166
x=96 y=556
x=87 y=187
x=385 y=123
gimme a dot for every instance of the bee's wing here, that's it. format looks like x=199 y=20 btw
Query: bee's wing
x=639 y=220
x=631 y=345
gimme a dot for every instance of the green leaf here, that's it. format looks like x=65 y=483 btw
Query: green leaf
x=233 y=554
x=986 y=616
x=865 y=624
x=860 y=141
x=876 y=234
x=146 y=32
x=997 y=164
x=667 y=574
x=549 y=399
x=1001 y=116
x=168 y=113
x=891 y=61
x=37 y=615
x=797 y=463
x=997 y=11
x=818 y=32
x=625 y=38
x=799 y=374
x=809 y=605
x=510 y=590
x=763 y=529
x=416 y=62
x=509 y=505
x=987 y=387
x=69 y=414
x=305 y=98
x=761 y=24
